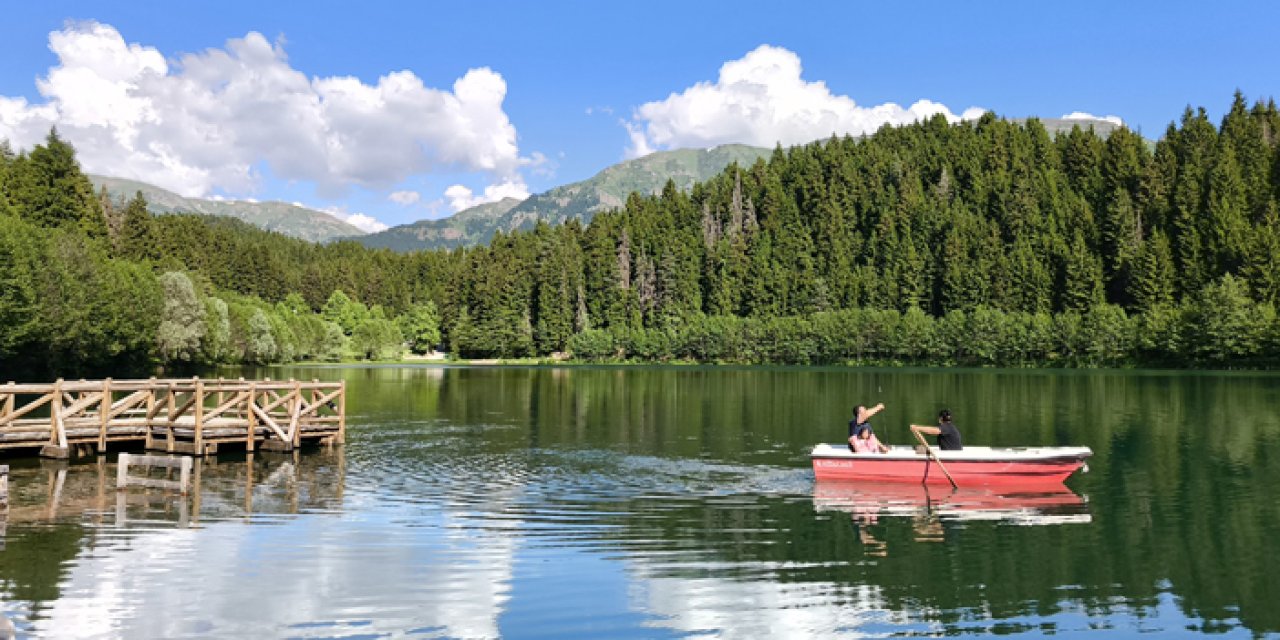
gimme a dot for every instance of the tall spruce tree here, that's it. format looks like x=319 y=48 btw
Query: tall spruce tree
x=50 y=190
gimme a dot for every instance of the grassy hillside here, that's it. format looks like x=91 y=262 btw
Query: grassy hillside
x=281 y=217
x=458 y=230
x=577 y=201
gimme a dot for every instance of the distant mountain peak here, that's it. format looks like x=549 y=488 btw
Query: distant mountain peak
x=606 y=190
x=286 y=218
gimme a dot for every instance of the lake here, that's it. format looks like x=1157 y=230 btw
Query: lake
x=654 y=502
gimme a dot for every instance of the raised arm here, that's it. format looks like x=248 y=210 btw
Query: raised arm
x=870 y=411
x=925 y=429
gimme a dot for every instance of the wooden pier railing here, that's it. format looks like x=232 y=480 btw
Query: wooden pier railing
x=186 y=415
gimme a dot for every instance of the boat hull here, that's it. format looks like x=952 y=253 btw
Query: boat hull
x=969 y=467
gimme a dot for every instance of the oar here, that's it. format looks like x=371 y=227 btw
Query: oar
x=935 y=458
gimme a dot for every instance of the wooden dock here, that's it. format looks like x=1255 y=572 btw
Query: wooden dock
x=188 y=415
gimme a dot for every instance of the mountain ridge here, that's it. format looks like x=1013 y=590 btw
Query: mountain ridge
x=580 y=200
x=282 y=217
x=606 y=189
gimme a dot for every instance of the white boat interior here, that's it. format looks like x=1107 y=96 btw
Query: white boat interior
x=974 y=454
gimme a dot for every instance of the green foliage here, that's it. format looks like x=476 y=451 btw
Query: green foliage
x=216 y=346
x=421 y=327
x=376 y=339
x=978 y=243
x=135 y=239
x=594 y=344
x=333 y=343
x=21 y=259
x=576 y=203
x=97 y=312
x=47 y=188
x=1226 y=326
x=259 y=341
x=344 y=312
x=182 y=321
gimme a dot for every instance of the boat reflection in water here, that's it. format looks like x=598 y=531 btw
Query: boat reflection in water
x=929 y=507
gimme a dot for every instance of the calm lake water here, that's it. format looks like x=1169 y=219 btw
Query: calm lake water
x=675 y=502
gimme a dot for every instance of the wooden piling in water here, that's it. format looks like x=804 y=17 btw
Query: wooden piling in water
x=124 y=480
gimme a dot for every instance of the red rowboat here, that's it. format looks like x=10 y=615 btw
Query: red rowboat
x=971 y=466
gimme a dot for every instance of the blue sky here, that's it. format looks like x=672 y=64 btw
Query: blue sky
x=403 y=111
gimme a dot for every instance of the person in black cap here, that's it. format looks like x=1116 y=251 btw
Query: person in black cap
x=861 y=422
x=948 y=434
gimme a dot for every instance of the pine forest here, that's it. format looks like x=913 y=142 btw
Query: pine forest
x=982 y=243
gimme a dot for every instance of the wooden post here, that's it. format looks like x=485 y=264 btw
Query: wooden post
x=195 y=488
x=316 y=394
x=295 y=426
x=342 y=414
x=122 y=471
x=169 y=423
x=104 y=408
x=246 y=406
x=151 y=412
x=10 y=400
x=56 y=436
x=252 y=417
x=184 y=475
x=199 y=409
x=57 y=447
x=122 y=503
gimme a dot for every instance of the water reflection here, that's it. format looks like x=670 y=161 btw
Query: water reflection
x=867 y=502
x=673 y=502
x=265 y=545
x=242 y=486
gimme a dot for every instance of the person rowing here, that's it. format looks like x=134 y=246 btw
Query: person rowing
x=948 y=434
x=861 y=438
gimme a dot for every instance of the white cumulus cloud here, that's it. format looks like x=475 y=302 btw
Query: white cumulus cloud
x=405 y=198
x=1081 y=115
x=205 y=120
x=361 y=221
x=761 y=99
x=461 y=197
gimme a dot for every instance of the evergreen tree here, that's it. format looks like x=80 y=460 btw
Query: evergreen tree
x=7 y=161
x=1121 y=233
x=554 y=284
x=1262 y=267
x=1193 y=146
x=1082 y=277
x=21 y=260
x=1030 y=280
x=1152 y=284
x=49 y=189
x=1227 y=226
x=135 y=239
